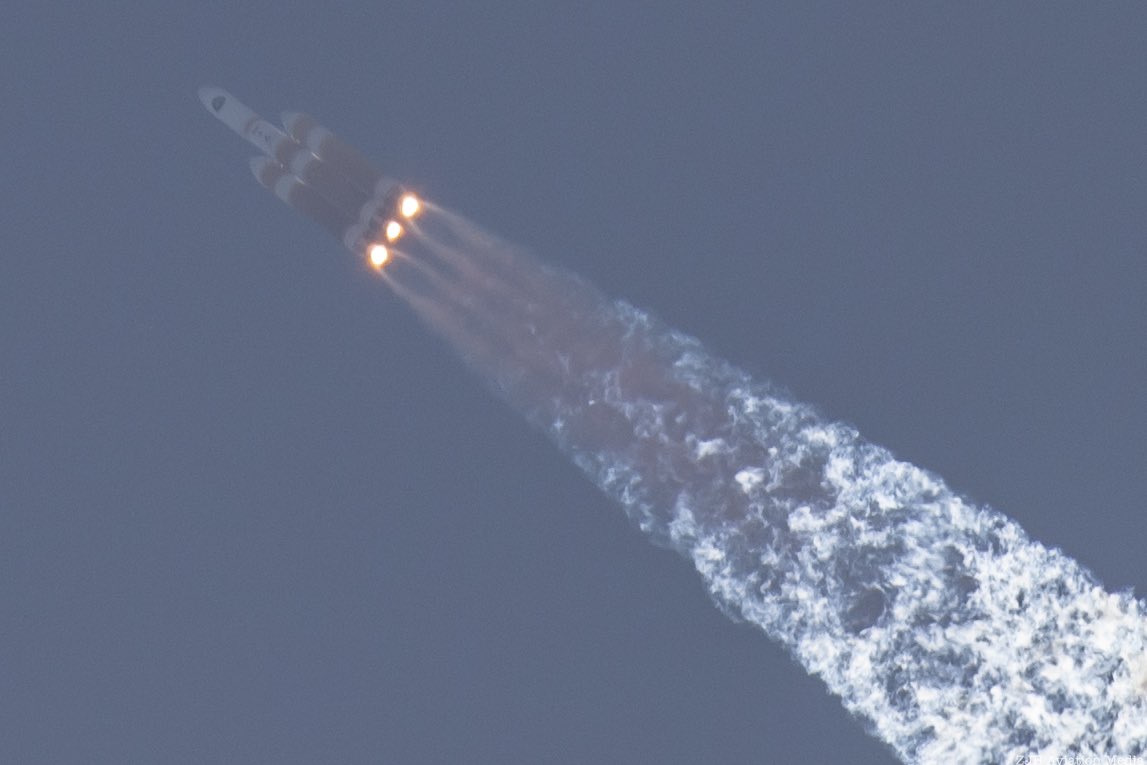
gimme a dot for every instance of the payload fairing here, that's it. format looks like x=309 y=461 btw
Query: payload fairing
x=321 y=176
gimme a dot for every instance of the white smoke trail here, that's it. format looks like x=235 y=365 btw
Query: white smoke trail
x=939 y=623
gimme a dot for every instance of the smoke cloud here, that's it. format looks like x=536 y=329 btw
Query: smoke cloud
x=948 y=632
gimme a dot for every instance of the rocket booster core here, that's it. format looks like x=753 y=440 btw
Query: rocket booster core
x=321 y=176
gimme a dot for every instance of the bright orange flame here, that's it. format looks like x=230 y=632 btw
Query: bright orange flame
x=393 y=231
x=379 y=256
x=409 y=206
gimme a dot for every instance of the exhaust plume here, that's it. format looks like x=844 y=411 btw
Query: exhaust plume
x=939 y=623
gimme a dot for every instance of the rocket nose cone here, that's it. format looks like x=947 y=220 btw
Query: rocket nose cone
x=266 y=170
x=289 y=119
x=213 y=99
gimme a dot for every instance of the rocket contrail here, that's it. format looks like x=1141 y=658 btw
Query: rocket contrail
x=939 y=623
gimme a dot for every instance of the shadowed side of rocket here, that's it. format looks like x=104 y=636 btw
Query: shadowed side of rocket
x=320 y=176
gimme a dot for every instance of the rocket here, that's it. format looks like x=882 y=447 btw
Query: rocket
x=321 y=176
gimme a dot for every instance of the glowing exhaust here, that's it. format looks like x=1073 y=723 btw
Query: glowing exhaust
x=379 y=255
x=409 y=206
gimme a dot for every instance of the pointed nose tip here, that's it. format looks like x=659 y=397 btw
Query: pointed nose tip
x=212 y=98
x=289 y=119
x=264 y=170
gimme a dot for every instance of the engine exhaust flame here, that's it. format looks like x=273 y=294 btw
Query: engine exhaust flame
x=938 y=622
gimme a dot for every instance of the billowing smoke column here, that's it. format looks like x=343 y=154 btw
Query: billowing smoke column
x=954 y=636
x=939 y=623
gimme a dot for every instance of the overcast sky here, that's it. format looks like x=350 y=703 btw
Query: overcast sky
x=252 y=511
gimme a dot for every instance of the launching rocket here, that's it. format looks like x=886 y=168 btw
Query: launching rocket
x=321 y=176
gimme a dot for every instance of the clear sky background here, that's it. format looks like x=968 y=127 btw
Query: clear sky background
x=251 y=511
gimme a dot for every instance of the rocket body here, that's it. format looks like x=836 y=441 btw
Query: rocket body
x=320 y=176
x=243 y=120
x=347 y=159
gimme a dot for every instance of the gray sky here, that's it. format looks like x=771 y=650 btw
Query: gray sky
x=251 y=511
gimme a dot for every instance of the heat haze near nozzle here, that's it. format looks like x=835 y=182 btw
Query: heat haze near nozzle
x=322 y=177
